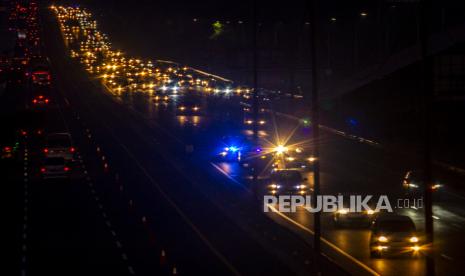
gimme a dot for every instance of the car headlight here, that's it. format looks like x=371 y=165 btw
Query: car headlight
x=412 y=185
x=280 y=149
x=413 y=239
x=343 y=211
x=382 y=239
x=290 y=158
x=371 y=212
x=311 y=159
x=274 y=186
x=436 y=186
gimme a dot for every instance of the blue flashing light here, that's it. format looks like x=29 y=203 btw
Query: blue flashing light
x=233 y=149
x=352 y=122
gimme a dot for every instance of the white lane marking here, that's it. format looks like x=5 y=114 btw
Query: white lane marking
x=435 y=217
x=449 y=258
x=205 y=240
x=330 y=244
x=353 y=259
x=230 y=177
x=104 y=215
x=25 y=215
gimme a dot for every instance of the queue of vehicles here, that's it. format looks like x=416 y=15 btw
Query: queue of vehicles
x=389 y=233
x=29 y=69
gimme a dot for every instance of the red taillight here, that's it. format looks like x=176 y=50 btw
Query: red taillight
x=24 y=133
x=66 y=169
x=7 y=149
x=45 y=150
x=46 y=100
x=42 y=170
x=34 y=101
x=41 y=97
x=72 y=149
x=48 y=77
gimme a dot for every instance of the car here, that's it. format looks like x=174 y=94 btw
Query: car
x=249 y=116
x=294 y=158
x=9 y=147
x=232 y=148
x=31 y=123
x=188 y=108
x=41 y=77
x=59 y=145
x=9 y=139
x=249 y=121
x=347 y=218
x=55 y=167
x=254 y=155
x=395 y=235
x=412 y=185
x=287 y=181
x=40 y=100
x=39 y=71
x=161 y=98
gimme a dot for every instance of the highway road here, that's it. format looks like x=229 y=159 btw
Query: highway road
x=131 y=207
x=138 y=203
x=347 y=167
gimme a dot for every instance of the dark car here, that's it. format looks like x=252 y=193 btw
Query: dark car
x=39 y=71
x=287 y=181
x=55 y=167
x=189 y=107
x=413 y=185
x=394 y=235
x=347 y=218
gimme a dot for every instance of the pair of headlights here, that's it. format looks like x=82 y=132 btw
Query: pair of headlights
x=412 y=239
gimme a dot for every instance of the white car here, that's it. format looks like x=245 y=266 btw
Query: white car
x=59 y=145
x=55 y=167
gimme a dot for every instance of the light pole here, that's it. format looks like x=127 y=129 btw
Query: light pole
x=315 y=126
x=427 y=96
x=255 y=91
x=332 y=23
